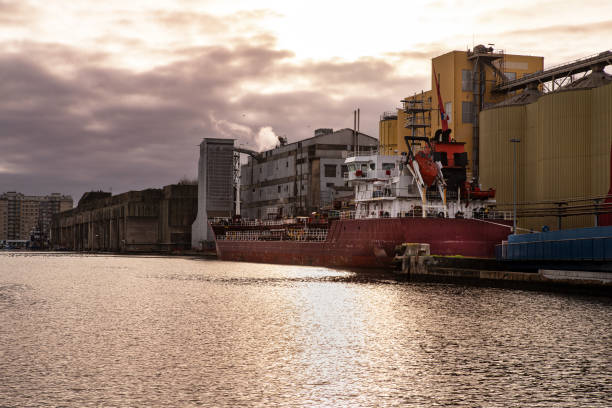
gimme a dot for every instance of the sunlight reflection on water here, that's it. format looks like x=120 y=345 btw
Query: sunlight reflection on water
x=148 y=331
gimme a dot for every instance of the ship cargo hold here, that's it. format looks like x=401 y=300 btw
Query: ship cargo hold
x=367 y=243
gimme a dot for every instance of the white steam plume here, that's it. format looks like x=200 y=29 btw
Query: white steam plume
x=266 y=138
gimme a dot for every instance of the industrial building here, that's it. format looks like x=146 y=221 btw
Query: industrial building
x=467 y=80
x=299 y=178
x=217 y=181
x=560 y=120
x=136 y=221
x=23 y=217
x=562 y=131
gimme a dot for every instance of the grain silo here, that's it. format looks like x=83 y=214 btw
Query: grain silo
x=499 y=125
x=563 y=155
x=387 y=133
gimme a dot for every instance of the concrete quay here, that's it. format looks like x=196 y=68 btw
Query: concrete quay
x=566 y=276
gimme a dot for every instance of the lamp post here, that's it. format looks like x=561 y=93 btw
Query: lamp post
x=514 y=142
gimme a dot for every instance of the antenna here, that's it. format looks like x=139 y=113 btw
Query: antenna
x=357 y=129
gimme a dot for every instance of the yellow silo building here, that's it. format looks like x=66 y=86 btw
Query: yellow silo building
x=466 y=81
x=563 y=137
x=563 y=158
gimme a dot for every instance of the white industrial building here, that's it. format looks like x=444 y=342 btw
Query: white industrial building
x=301 y=177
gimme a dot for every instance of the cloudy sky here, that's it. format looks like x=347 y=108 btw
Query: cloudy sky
x=117 y=94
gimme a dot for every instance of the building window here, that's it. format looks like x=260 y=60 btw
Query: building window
x=466 y=80
x=344 y=169
x=467 y=112
x=287 y=163
x=510 y=76
x=279 y=188
x=330 y=184
x=448 y=107
x=330 y=170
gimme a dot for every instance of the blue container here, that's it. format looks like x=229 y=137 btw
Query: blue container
x=576 y=244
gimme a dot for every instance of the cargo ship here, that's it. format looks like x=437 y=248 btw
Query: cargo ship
x=398 y=199
x=420 y=196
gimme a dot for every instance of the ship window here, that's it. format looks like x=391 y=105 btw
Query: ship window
x=373 y=166
x=344 y=169
x=388 y=166
x=279 y=188
x=330 y=170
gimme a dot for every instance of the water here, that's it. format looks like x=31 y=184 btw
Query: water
x=86 y=330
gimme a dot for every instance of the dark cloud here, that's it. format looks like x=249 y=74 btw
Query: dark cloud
x=89 y=126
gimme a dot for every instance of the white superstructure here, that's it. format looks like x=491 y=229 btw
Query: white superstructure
x=385 y=187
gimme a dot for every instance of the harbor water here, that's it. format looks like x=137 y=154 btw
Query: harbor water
x=101 y=330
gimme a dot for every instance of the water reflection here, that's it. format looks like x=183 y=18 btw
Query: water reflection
x=146 y=331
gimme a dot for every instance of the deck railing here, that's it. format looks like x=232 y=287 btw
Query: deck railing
x=310 y=235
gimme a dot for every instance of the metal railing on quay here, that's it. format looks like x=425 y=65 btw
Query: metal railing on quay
x=562 y=208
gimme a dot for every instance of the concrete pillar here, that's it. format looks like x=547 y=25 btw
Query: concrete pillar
x=215 y=187
x=199 y=228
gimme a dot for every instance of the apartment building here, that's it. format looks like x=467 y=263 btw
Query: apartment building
x=21 y=216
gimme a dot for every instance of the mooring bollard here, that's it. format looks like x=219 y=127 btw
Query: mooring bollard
x=413 y=257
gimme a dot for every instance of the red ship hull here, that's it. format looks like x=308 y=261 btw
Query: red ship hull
x=370 y=243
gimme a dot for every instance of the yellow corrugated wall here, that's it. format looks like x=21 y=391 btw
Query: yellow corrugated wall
x=564 y=154
x=498 y=126
x=564 y=151
x=532 y=148
x=601 y=138
x=565 y=135
x=387 y=135
x=534 y=182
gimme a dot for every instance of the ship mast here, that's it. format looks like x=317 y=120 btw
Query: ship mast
x=424 y=168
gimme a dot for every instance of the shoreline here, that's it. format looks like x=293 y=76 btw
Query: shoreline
x=586 y=278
